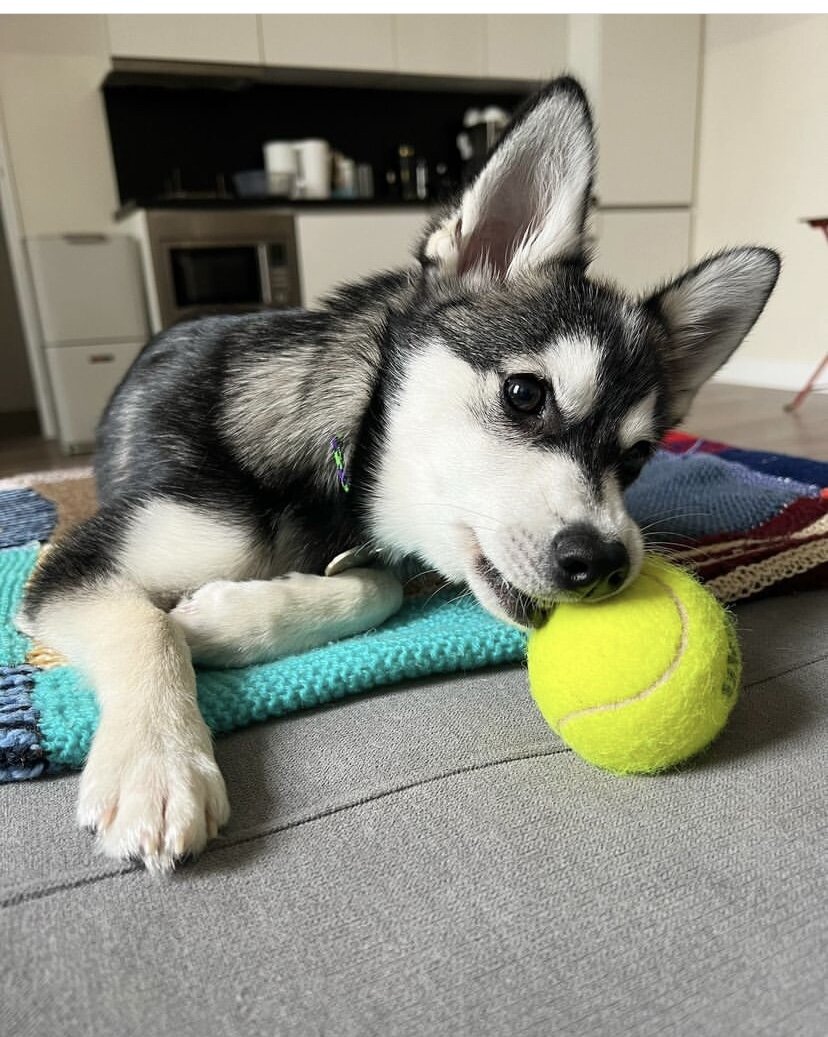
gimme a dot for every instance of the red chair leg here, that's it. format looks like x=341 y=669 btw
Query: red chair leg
x=809 y=385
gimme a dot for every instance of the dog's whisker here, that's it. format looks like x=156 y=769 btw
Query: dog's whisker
x=458 y=507
x=672 y=516
x=442 y=525
x=652 y=535
x=434 y=593
x=661 y=546
x=547 y=502
x=458 y=597
x=420 y=575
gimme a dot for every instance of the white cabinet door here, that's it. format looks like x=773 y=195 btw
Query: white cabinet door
x=441 y=44
x=83 y=378
x=646 y=107
x=344 y=246
x=640 y=249
x=185 y=37
x=57 y=34
x=88 y=287
x=526 y=46
x=360 y=41
x=58 y=143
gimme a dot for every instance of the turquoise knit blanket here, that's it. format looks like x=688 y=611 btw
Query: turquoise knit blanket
x=48 y=716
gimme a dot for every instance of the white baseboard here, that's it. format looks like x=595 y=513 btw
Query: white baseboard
x=767 y=374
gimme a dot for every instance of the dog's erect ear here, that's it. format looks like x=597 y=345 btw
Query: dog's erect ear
x=707 y=312
x=528 y=204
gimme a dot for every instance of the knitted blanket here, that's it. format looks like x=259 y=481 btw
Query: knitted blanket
x=748 y=523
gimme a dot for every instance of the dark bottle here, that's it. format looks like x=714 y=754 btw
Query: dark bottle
x=392 y=187
x=421 y=177
x=408 y=183
x=443 y=187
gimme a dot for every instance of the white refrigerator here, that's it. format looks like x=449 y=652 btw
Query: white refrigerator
x=93 y=319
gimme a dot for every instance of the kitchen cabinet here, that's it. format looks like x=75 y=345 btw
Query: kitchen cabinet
x=83 y=379
x=357 y=41
x=57 y=138
x=441 y=44
x=526 y=46
x=89 y=288
x=185 y=37
x=343 y=246
x=641 y=248
x=57 y=34
x=642 y=72
x=93 y=322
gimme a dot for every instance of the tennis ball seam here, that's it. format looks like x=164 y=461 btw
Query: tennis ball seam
x=640 y=696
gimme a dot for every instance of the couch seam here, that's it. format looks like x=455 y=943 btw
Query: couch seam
x=15 y=899
x=784 y=673
x=223 y=843
x=260 y=833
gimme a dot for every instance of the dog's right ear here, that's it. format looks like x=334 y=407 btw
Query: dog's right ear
x=528 y=204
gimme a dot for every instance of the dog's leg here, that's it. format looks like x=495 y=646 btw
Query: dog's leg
x=151 y=787
x=233 y=624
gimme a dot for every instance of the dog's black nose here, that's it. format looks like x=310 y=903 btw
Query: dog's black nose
x=588 y=565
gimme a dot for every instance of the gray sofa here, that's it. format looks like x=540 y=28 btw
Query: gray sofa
x=432 y=860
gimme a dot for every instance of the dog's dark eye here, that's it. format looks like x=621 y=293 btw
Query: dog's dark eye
x=633 y=460
x=524 y=393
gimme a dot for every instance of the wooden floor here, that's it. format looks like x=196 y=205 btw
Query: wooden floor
x=741 y=416
x=754 y=418
x=33 y=454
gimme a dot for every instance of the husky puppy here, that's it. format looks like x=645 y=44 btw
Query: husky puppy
x=481 y=415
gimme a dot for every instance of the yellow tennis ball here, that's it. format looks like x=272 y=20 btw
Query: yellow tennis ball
x=637 y=683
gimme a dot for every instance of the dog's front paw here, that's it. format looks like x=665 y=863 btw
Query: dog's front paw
x=233 y=624
x=156 y=802
x=221 y=618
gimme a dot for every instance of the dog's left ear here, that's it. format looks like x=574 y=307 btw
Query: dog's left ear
x=528 y=204
x=706 y=313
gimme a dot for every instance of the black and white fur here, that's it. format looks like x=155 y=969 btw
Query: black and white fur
x=221 y=505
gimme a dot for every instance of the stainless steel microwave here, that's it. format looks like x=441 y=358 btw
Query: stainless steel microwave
x=207 y=261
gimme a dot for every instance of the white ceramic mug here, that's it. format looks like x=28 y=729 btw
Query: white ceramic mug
x=280 y=164
x=313 y=163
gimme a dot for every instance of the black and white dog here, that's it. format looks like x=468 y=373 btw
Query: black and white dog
x=482 y=415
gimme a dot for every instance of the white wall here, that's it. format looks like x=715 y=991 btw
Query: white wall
x=762 y=166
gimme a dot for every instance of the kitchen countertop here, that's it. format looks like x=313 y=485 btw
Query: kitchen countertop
x=270 y=202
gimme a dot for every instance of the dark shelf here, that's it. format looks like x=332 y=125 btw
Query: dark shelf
x=181 y=127
x=215 y=75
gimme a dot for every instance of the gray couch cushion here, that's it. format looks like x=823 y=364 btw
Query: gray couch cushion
x=432 y=860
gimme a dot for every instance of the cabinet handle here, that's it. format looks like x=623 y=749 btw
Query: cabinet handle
x=101 y=358
x=86 y=239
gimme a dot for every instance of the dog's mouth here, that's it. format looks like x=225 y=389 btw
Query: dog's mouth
x=520 y=608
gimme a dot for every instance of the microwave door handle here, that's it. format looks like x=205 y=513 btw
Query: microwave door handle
x=264 y=275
